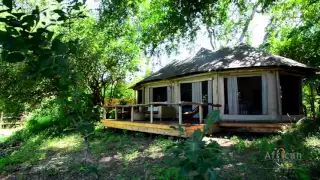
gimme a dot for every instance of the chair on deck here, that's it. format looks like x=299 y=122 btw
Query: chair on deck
x=188 y=116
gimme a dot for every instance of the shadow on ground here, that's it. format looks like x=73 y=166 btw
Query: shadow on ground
x=117 y=155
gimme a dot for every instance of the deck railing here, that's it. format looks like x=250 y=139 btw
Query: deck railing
x=153 y=104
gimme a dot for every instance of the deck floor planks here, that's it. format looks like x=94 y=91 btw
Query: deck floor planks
x=164 y=127
x=157 y=127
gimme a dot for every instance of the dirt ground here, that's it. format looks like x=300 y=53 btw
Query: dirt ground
x=126 y=156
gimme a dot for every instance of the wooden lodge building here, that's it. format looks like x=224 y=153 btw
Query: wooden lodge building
x=253 y=90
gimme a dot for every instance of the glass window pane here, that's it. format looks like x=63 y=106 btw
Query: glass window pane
x=250 y=95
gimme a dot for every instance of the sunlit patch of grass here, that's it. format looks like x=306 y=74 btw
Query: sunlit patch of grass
x=157 y=148
x=68 y=143
x=130 y=156
x=3 y=138
x=28 y=153
x=36 y=148
x=313 y=141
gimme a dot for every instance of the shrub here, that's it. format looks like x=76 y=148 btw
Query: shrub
x=48 y=116
x=195 y=157
x=54 y=116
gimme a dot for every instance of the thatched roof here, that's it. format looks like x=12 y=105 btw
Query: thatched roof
x=242 y=56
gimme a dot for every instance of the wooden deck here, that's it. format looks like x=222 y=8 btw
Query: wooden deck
x=165 y=127
x=255 y=127
x=157 y=127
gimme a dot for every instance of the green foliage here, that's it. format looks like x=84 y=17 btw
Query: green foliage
x=24 y=155
x=165 y=25
x=48 y=116
x=17 y=138
x=304 y=138
x=294 y=32
x=53 y=117
x=166 y=173
x=240 y=146
x=123 y=102
x=196 y=158
x=28 y=149
x=295 y=35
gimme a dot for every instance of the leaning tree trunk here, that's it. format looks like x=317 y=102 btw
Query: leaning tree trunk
x=312 y=100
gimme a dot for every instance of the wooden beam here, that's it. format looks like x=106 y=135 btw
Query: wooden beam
x=164 y=103
x=200 y=114
x=258 y=125
x=180 y=115
x=165 y=129
x=151 y=113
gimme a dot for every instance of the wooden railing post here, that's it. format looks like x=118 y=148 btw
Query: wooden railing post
x=151 y=113
x=180 y=114
x=115 y=113
x=132 y=113
x=122 y=111
x=200 y=113
x=104 y=114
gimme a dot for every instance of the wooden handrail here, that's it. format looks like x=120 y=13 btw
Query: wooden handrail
x=164 y=103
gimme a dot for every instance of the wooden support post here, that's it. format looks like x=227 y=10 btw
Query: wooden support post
x=132 y=113
x=200 y=114
x=180 y=115
x=279 y=95
x=151 y=113
x=115 y=113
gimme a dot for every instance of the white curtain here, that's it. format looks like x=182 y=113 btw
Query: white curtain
x=196 y=94
x=233 y=102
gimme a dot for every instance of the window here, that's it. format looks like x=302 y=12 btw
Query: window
x=140 y=96
x=291 y=98
x=159 y=94
x=245 y=95
x=186 y=95
x=195 y=92
x=250 y=95
x=226 y=107
x=204 y=91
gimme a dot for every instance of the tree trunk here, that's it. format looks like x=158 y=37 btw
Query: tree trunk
x=88 y=154
x=211 y=36
x=1 y=119
x=312 y=99
x=247 y=23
